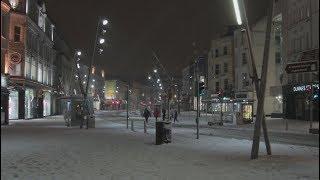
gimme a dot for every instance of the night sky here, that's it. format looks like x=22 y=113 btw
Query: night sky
x=169 y=27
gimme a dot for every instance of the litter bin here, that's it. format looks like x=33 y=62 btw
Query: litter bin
x=91 y=121
x=163 y=132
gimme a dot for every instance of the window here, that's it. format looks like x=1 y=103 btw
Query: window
x=225 y=50
x=225 y=67
x=225 y=84
x=244 y=58
x=33 y=69
x=17 y=33
x=45 y=74
x=245 y=81
x=39 y=72
x=217 y=52
x=278 y=39
x=217 y=69
x=27 y=68
x=278 y=58
x=217 y=86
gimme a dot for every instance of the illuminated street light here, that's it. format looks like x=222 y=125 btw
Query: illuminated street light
x=83 y=82
x=105 y=22
x=237 y=11
x=78 y=65
x=149 y=77
x=155 y=70
x=100 y=51
x=92 y=86
x=79 y=53
x=101 y=40
x=93 y=80
x=160 y=85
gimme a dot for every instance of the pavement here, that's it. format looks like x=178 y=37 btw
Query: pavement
x=46 y=149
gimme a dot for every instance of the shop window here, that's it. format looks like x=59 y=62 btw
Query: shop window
x=47 y=104
x=30 y=104
x=17 y=33
x=13 y=105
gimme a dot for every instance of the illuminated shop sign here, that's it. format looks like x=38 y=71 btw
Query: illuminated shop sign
x=305 y=88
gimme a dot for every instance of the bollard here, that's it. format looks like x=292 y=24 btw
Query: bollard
x=132 y=129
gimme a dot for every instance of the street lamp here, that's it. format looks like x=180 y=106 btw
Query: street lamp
x=155 y=70
x=101 y=40
x=79 y=53
x=105 y=22
x=237 y=11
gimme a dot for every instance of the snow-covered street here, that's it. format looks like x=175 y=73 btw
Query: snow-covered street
x=45 y=149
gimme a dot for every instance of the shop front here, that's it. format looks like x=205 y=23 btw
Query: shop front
x=4 y=101
x=229 y=111
x=47 y=103
x=13 y=104
x=30 y=103
x=300 y=100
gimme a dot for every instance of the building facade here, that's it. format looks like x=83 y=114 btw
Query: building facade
x=244 y=87
x=29 y=60
x=299 y=21
x=221 y=66
x=5 y=9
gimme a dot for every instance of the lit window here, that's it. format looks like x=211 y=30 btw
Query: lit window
x=17 y=34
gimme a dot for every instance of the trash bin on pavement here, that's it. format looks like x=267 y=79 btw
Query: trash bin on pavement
x=163 y=132
x=91 y=121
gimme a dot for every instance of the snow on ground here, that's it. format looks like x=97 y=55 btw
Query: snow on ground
x=48 y=150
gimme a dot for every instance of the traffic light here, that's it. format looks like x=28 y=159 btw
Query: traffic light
x=201 y=88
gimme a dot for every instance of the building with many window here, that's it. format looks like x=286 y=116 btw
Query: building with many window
x=29 y=60
x=243 y=86
x=5 y=9
x=299 y=22
x=221 y=65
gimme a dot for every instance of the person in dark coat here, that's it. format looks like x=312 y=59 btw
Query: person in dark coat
x=175 y=116
x=163 y=114
x=146 y=114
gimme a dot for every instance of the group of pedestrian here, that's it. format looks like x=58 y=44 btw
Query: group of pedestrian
x=156 y=114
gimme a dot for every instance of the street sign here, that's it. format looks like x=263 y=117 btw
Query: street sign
x=300 y=67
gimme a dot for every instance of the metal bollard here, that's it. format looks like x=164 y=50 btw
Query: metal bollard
x=132 y=129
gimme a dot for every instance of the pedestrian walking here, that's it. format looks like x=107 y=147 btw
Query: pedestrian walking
x=175 y=116
x=146 y=114
x=156 y=113
x=163 y=114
